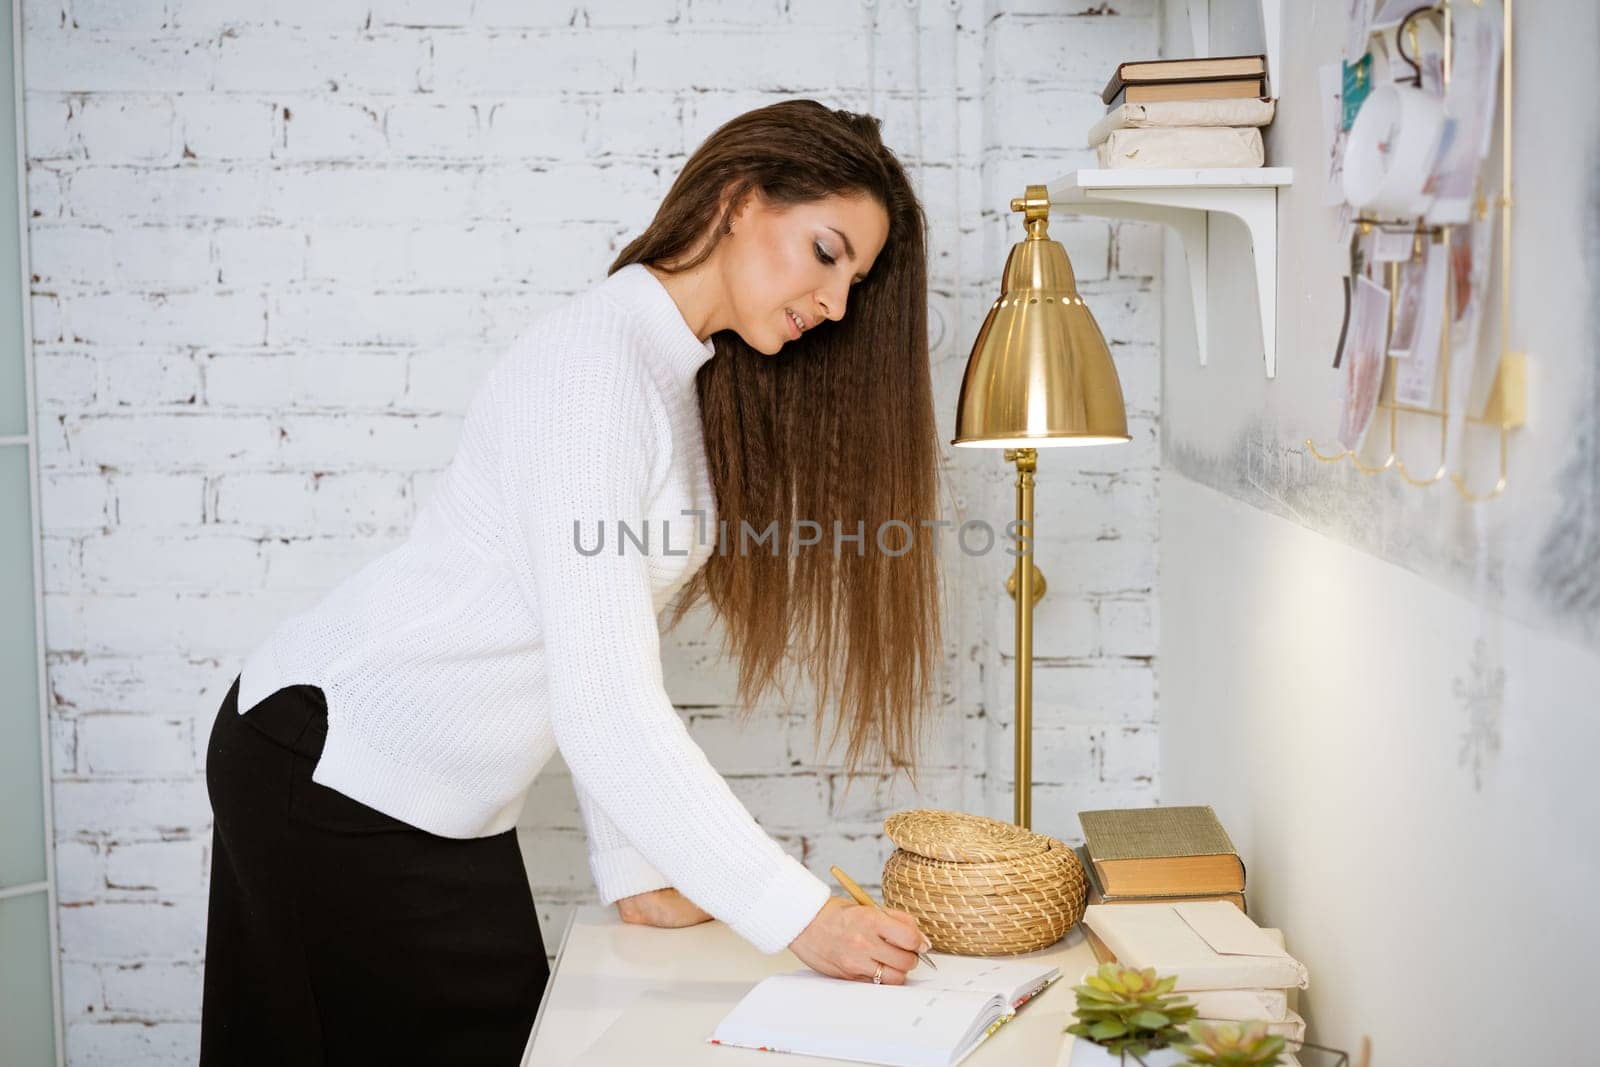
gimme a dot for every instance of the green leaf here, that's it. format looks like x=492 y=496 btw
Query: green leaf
x=1103 y=996
x=1151 y=1020
x=1107 y=1028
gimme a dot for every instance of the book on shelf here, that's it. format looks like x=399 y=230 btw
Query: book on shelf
x=1161 y=852
x=1201 y=146
x=934 y=1020
x=1190 y=71
x=1096 y=894
x=1182 y=114
x=1229 y=89
x=1206 y=945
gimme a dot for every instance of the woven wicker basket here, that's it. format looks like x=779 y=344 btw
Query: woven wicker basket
x=979 y=887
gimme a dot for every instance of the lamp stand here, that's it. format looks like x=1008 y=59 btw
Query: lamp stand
x=1026 y=585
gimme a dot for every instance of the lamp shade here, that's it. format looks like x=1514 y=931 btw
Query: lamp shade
x=1040 y=373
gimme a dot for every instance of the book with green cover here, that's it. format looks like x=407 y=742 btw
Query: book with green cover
x=1161 y=852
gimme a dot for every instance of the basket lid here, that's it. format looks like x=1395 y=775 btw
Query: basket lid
x=958 y=837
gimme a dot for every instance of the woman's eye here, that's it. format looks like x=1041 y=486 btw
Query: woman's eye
x=822 y=254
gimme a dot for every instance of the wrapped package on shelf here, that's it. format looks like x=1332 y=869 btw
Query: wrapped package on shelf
x=1193 y=148
x=1166 y=114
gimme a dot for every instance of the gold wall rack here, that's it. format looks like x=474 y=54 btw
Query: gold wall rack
x=1506 y=409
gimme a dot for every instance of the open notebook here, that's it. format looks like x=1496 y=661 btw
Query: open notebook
x=935 y=1020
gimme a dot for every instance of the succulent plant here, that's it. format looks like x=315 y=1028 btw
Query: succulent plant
x=1246 y=1044
x=1124 y=1010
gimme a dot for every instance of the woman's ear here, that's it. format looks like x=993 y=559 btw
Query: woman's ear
x=736 y=209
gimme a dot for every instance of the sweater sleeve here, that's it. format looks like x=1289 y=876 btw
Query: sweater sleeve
x=581 y=436
x=619 y=868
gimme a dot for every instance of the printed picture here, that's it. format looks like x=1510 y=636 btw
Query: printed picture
x=1364 y=359
x=1417 y=375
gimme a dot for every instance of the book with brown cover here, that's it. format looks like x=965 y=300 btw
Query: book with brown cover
x=1161 y=852
x=1204 y=69
x=1098 y=947
x=1234 y=89
x=1096 y=895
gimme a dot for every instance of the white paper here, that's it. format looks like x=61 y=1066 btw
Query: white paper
x=1472 y=363
x=1416 y=376
x=1391 y=12
x=1226 y=929
x=1347 y=230
x=935 y=1019
x=1392 y=246
x=1363 y=359
x=1408 y=305
x=1469 y=112
x=1359 y=26
x=1330 y=91
x=1155 y=935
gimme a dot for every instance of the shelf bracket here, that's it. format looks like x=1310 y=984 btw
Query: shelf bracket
x=1184 y=200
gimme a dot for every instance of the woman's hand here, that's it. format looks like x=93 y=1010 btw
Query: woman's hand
x=847 y=940
x=661 y=907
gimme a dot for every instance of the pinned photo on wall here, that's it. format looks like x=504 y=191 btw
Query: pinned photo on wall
x=1358 y=27
x=1472 y=363
x=1347 y=230
x=1471 y=283
x=1421 y=308
x=1407 y=306
x=1355 y=85
x=1367 y=261
x=1330 y=88
x=1469 y=107
x=1363 y=360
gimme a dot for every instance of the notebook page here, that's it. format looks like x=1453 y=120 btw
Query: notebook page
x=901 y=1026
x=1009 y=979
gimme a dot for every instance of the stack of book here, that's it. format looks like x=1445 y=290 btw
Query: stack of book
x=1231 y=969
x=1187 y=113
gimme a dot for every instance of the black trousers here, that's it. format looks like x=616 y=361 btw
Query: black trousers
x=338 y=935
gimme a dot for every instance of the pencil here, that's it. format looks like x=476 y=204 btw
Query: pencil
x=859 y=895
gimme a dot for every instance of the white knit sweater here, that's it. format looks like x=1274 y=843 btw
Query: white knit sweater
x=457 y=664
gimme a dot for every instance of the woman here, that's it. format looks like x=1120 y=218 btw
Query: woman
x=368 y=897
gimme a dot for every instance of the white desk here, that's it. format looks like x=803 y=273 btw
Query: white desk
x=623 y=995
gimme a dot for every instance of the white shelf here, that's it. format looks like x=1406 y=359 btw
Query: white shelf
x=1184 y=200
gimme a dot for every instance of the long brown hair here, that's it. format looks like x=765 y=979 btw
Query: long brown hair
x=837 y=427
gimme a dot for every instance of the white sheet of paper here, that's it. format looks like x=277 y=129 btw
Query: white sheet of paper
x=1416 y=376
x=1227 y=929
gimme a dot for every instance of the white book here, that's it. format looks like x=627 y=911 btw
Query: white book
x=1237 y=1005
x=1206 y=944
x=1292 y=1027
x=1155 y=114
x=935 y=1020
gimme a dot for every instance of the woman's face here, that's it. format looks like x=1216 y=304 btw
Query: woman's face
x=783 y=262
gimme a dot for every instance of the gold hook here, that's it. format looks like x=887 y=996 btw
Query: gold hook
x=1500 y=482
x=1320 y=458
x=1350 y=454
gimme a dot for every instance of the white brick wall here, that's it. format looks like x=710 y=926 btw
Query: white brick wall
x=275 y=246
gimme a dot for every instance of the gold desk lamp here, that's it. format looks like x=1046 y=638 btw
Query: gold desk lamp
x=1039 y=375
